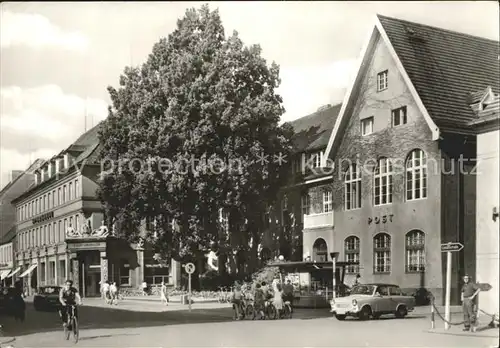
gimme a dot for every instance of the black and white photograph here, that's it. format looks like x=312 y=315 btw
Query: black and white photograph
x=249 y=174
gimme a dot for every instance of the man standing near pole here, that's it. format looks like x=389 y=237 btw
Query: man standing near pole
x=469 y=301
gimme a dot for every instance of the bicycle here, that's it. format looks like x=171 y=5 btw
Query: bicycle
x=250 y=310
x=269 y=310
x=72 y=322
x=287 y=310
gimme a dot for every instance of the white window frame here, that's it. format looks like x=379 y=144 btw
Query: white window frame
x=399 y=114
x=327 y=201
x=315 y=159
x=382 y=252
x=383 y=180
x=365 y=124
x=352 y=179
x=416 y=165
x=352 y=253
x=382 y=80
x=415 y=251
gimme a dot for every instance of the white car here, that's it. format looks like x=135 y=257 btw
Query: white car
x=373 y=300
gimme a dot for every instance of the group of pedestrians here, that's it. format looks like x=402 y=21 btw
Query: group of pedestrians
x=109 y=292
x=260 y=294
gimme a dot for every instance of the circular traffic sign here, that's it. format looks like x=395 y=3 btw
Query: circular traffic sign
x=189 y=268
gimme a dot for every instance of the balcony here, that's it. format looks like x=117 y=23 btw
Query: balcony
x=318 y=220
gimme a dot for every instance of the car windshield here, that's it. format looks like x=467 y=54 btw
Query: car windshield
x=363 y=290
x=50 y=290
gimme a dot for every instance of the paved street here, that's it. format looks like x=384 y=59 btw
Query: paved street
x=138 y=324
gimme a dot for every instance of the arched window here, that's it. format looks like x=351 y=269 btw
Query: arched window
x=415 y=251
x=352 y=187
x=320 y=250
x=382 y=253
x=382 y=185
x=351 y=250
x=416 y=175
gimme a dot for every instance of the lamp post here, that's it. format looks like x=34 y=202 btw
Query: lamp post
x=334 y=256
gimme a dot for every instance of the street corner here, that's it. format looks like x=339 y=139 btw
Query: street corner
x=480 y=332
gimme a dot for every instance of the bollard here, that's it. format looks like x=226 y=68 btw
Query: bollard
x=432 y=313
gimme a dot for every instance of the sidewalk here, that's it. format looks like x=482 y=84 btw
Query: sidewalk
x=153 y=305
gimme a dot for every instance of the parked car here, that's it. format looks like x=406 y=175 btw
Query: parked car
x=373 y=300
x=47 y=298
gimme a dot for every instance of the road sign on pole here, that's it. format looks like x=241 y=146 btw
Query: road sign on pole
x=189 y=267
x=451 y=247
x=448 y=248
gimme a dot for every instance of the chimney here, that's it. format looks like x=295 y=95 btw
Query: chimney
x=15 y=174
x=58 y=163
x=37 y=178
x=42 y=174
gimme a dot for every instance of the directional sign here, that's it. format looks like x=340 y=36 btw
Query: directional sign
x=451 y=246
x=189 y=268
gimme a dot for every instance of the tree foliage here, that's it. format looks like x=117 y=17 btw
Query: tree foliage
x=184 y=137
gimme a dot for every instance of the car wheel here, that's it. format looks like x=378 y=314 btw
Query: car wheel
x=340 y=316
x=401 y=312
x=365 y=313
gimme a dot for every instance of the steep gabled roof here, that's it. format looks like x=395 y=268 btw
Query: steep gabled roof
x=445 y=67
x=313 y=131
x=30 y=170
x=441 y=69
x=88 y=142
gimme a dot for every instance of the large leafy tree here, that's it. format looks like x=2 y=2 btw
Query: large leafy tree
x=193 y=130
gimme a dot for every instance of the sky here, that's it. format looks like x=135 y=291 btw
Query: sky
x=56 y=58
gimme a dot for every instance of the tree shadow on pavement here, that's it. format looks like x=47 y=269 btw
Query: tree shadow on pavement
x=116 y=318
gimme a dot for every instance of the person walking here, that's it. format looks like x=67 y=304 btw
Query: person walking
x=105 y=291
x=113 y=292
x=469 y=294
x=163 y=294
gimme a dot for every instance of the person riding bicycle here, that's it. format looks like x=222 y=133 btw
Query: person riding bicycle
x=288 y=292
x=68 y=296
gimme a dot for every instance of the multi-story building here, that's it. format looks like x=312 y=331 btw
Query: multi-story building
x=6 y=262
x=20 y=181
x=487 y=202
x=402 y=154
x=61 y=232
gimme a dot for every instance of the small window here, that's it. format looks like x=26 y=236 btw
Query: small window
x=399 y=116
x=367 y=126
x=305 y=202
x=327 y=201
x=382 y=80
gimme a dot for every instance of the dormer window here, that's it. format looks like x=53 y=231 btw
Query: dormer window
x=315 y=159
x=66 y=161
x=382 y=80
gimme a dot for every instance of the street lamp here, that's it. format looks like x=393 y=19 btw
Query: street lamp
x=334 y=267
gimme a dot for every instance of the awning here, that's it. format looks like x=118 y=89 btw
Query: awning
x=29 y=270
x=14 y=272
x=4 y=274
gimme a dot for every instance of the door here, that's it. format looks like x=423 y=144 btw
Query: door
x=396 y=296
x=383 y=302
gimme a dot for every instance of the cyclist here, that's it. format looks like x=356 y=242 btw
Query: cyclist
x=288 y=292
x=68 y=296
